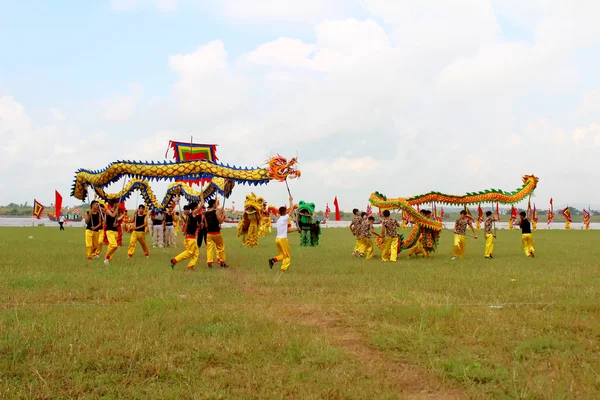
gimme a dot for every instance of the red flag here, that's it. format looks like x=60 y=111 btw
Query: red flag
x=479 y=213
x=535 y=217
x=469 y=215
x=567 y=214
x=513 y=213
x=369 y=210
x=57 y=204
x=551 y=212
x=337 y=209
x=38 y=209
x=327 y=211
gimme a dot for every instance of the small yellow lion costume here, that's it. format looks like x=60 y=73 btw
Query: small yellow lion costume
x=248 y=227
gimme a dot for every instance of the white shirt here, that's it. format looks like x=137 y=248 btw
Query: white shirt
x=61 y=219
x=282 y=226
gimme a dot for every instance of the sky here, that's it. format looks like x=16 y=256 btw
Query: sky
x=400 y=97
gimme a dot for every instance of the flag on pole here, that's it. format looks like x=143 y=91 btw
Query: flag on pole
x=587 y=216
x=469 y=215
x=567 y=214
x=57 y=204
x=369 y=210
x=337 y=209
x=551 y=212
x=535 y=215
x=183 y=151
x=479 y=213
x=38 y=209
x=327 y=211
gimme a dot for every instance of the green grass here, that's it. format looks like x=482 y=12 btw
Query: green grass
x=136 y=329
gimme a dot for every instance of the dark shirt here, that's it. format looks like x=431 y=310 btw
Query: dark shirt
x=94 y=221
x=139 y=221
x=525 y=226
x=212 y=222
x=191 y=225
x=168 y=220
x=110 y=223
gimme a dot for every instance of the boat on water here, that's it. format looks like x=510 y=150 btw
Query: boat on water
x=68 y=217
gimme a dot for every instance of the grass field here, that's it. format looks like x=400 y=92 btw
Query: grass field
x=333 y=326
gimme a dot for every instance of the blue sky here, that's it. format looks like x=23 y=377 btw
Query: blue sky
x=357 y=88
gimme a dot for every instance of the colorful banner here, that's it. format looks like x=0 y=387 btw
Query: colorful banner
x=369 y=211
x=183 y=151
x=57 y=203
x=551 y=212
x=479 y=213
x=567 y=214
x=38 y=209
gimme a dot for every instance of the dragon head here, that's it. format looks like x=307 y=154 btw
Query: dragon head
x=527 y=178
x=253 y=204
x=306 y=208
x=280 y=169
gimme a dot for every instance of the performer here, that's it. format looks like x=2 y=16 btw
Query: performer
x=61 y=222
x=111 y=230
x=489 y=235
x=139 y=232
x=214 y=218
x=93 y=222
x=157 y=229
x=169 y=228
x=355 y=229
x=202 y=229
x=176 y=223
x=101 y=233
x=460 y=238
x=366 y=243
x=281 y=240
x=526 y=236
x=191 y=247
x=390 y=232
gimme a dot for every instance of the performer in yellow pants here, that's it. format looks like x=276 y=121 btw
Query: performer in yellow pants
x=366 y=243
x=489 y=235
x=390 y=232
x=111 y=230
x=355 y=229
x=281 y=241
x=139 y=232
x=526 y=236
x=93 y=222
x=191 y=247
x=213 y=218
x=460 y=238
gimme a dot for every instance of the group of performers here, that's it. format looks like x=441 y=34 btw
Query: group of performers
x=362 y=229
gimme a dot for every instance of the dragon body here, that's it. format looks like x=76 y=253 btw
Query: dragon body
x=425 y=231
x=278 y=168
x=310 y=229
x=216 y=186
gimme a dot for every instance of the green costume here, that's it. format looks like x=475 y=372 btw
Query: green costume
x=310 y=229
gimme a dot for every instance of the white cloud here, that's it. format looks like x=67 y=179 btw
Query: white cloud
x=167 y=5
x=57 y=115
x=122 y=107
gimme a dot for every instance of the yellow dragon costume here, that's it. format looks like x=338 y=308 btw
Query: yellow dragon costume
x=426 y=230
x=252 y=221
x=223 y=178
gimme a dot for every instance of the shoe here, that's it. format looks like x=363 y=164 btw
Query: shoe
x=173 y=262
x=531 y=254
x=491 y=256
x=106 y=261
x=355 y=253
x=224 y=265
x=97 y=256
x=453 y=258
x=209 y=265
x=128 y=256
x=271 y=263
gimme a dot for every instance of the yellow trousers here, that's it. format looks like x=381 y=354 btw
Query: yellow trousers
x=527 y=240
x=460 y=245
x=191 y=251
x=215 y=241
x=137 y=237
x=390 y=249
x=176 y=225
x=91 y=243
x=489 y=244
x=366 y=247
x=356 y=245
x=112 y=244
x=284 y=255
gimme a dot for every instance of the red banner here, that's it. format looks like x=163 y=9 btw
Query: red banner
x=57 y=204
x=38 y=209
x=337 y=209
